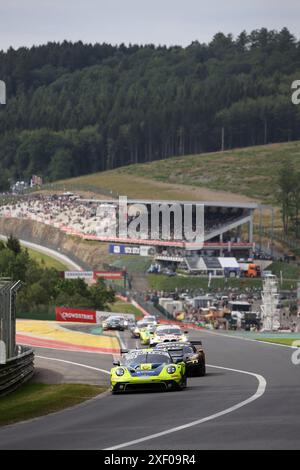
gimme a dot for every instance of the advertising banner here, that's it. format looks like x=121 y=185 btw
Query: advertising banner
x=75 y=315
x=109 y=274
x=124 y=249
x=79 y=274
x=147 y=251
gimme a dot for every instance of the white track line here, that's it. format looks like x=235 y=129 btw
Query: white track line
x=121 y=341
x=258 y=394
x=74 y=363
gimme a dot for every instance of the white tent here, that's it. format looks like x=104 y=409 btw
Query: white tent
x=229 y=263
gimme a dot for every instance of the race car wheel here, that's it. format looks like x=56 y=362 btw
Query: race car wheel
x=201 y=370
x=183 y=383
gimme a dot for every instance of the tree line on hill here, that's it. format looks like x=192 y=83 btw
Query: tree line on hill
x=43 y=287
x=289 y=199
x=75 y=108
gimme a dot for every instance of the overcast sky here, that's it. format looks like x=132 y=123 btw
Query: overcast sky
x=28 y=22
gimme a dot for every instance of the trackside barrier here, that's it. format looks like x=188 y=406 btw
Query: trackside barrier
x=140 y=308
x=16 y=371
x=64 y=314
x=122 y=298
x=75 y=315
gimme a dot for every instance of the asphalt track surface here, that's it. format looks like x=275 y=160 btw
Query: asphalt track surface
x=270 y=421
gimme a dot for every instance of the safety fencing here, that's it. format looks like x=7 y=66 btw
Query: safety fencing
x=8 y=291
x=16 y=370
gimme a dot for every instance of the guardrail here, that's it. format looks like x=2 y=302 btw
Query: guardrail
x=16 y=371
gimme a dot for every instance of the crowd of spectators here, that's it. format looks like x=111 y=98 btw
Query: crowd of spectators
x=62 y=211
x=70 y=213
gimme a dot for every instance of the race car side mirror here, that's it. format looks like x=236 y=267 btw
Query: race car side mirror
x=186 y=332
x=116 y=363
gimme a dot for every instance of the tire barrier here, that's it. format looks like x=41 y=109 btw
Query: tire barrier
x=16 y=371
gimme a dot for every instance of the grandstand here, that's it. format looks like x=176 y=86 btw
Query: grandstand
x=228 y=227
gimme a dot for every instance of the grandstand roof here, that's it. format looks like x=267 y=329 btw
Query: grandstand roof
x=240 y=205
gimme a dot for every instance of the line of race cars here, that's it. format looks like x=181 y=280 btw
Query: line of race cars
x=164 y=362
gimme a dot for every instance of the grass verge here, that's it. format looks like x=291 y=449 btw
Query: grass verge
x=46 y=261
x=166 y=283
x=289 y=271
x=124 y=307
x=35 y=399
x=257 y=167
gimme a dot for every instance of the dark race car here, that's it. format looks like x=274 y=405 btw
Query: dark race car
x=113 y=323
x=191 y=353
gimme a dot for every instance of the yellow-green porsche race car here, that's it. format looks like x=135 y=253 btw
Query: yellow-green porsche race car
x=146 y=369
x=146 y=334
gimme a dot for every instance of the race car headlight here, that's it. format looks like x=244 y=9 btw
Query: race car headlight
x=120 y=372
x=171 y=369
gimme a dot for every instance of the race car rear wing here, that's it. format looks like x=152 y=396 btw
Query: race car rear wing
x=175 y=349
x=196 y=343
x=169 y=346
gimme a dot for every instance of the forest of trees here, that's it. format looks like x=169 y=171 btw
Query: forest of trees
x=289 y=199
x=43 y=288
x=73 y=109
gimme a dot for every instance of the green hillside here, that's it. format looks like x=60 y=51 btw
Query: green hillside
x=75 y=108
x=251 y=172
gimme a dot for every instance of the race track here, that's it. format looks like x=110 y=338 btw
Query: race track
x=225 y=410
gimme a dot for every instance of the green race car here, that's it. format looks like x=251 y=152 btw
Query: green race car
x=146 y=334
x=146 y=369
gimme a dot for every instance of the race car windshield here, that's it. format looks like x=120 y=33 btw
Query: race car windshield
x=169 y=331
x=142 y=324
x=148 y=358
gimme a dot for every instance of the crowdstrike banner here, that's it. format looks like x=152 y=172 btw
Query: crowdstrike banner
x=85 y=316
x=75 y=315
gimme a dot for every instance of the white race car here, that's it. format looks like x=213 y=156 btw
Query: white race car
x=167 y=334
